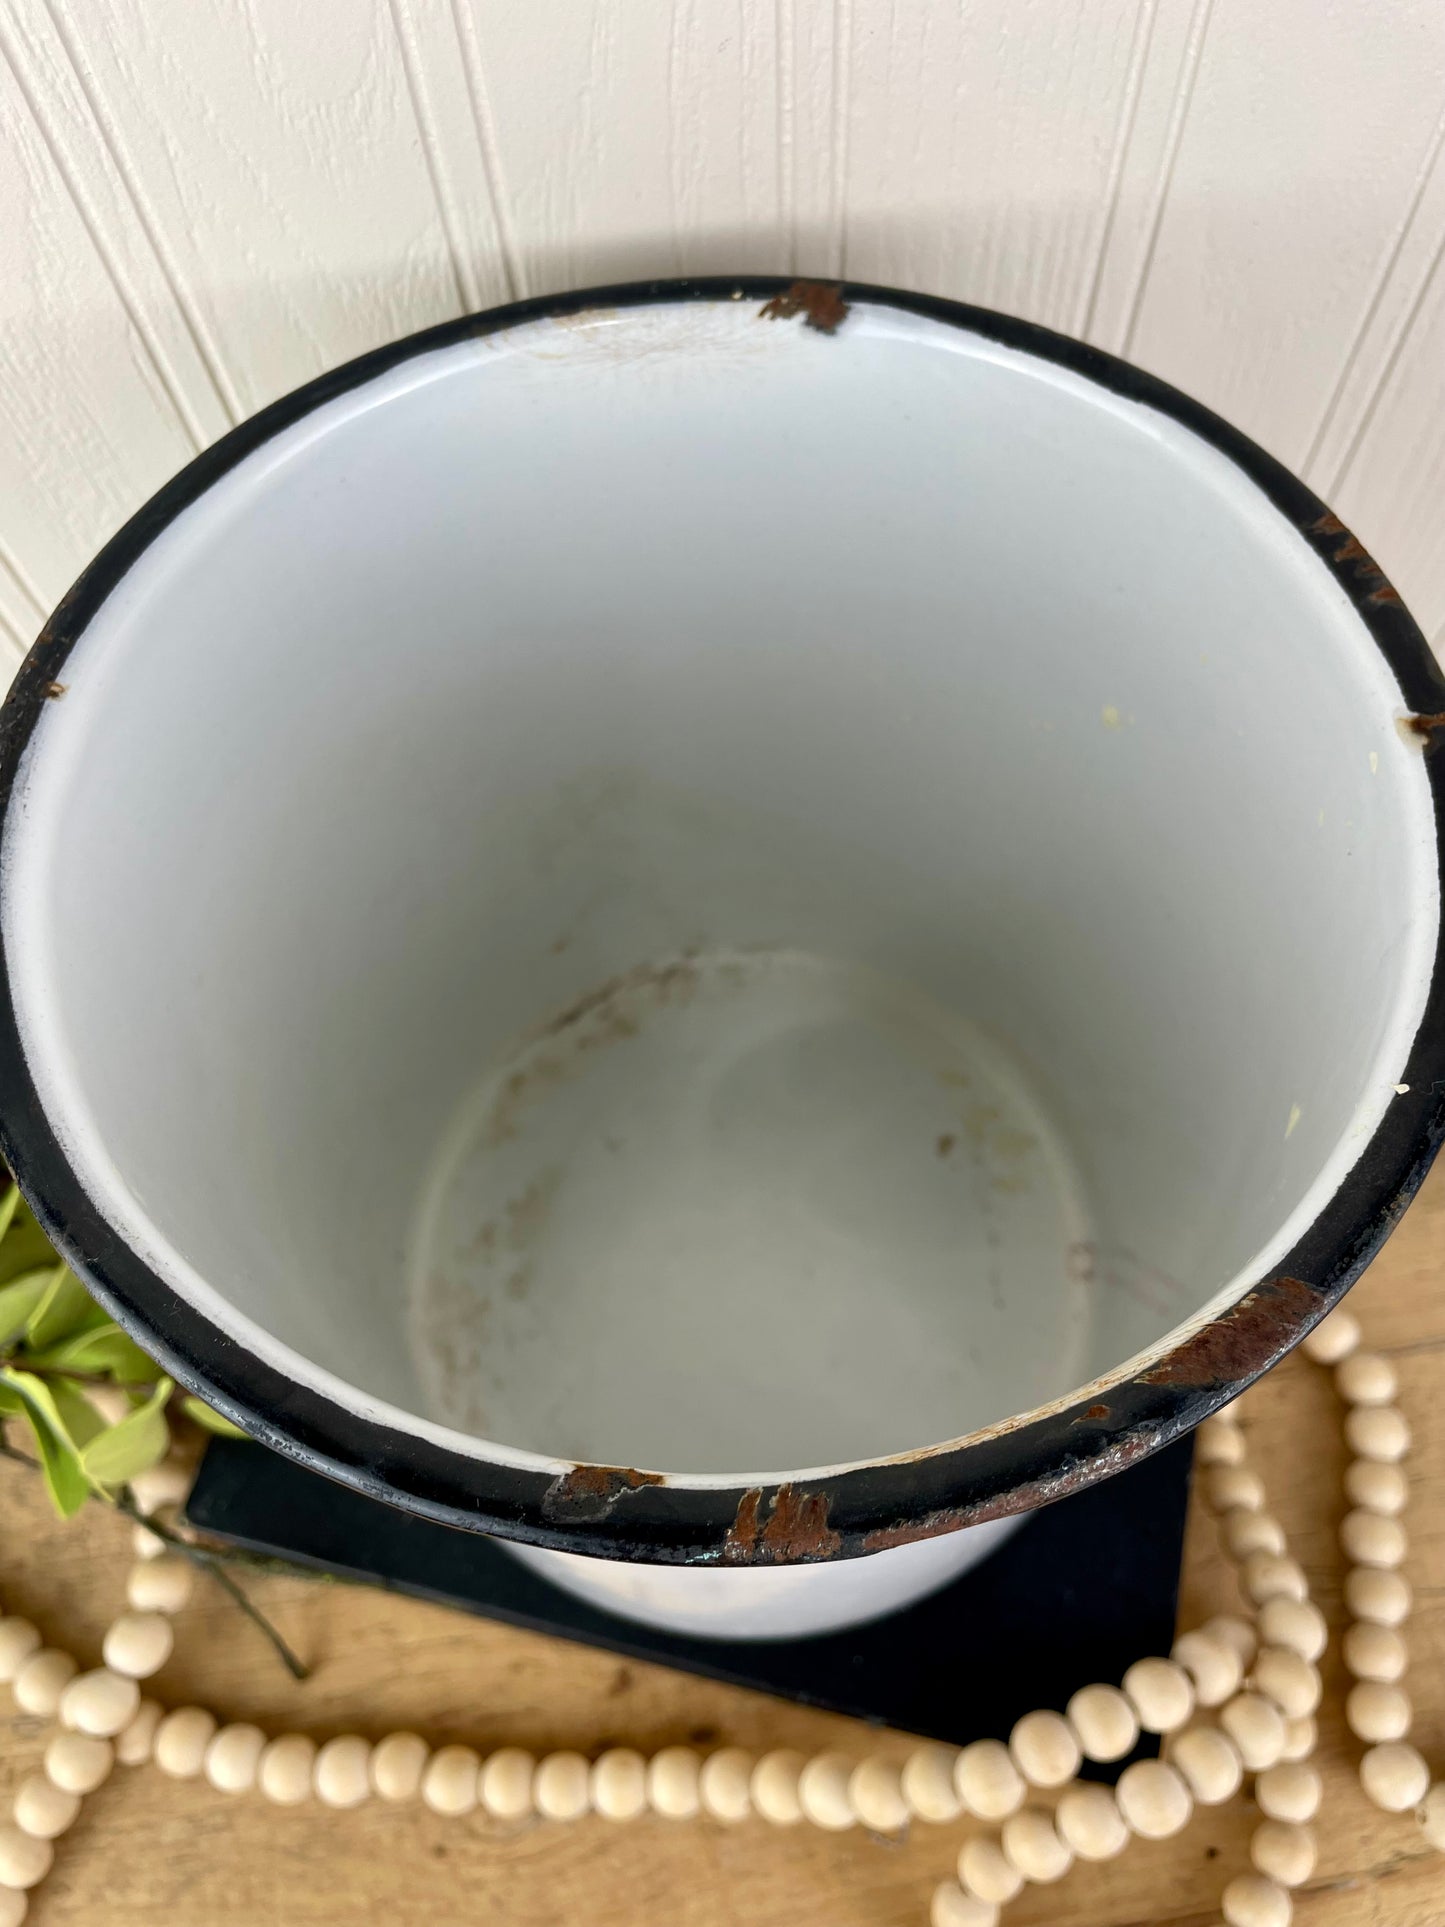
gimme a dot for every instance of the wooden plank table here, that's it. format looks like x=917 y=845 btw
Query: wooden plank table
x=148 y=1850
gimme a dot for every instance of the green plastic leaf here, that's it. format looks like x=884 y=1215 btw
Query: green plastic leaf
x=25 y=1246
x=9 y=1205
x=195 y=1409
x=141 y=1440
x=78 y=1417
x=67 y=1307
x=59 y=1460
x=19 y=1299
x=104 y=1351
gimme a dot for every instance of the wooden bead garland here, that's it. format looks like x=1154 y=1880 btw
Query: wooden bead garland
x=1260 y=1684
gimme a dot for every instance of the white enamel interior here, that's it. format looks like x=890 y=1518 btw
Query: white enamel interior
x=1002 y=767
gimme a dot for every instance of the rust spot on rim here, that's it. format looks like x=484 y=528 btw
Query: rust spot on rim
x=794 y=1528
x=1093 y=1411
x=1353 y=554
x=1243 y=1339
x=1427 y=728
x=1057 y=1484
x=820 y=303
x=53 y=691
x=589 y=1492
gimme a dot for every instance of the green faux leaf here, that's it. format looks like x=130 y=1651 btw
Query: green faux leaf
x=103 y=1351
x=19 y=1299
x=24 y=1246
x=59 y=1460
x=9 y=1205
x=66 y=1308
x=78 y=1417
x=196 y=1409
x=143 y=1439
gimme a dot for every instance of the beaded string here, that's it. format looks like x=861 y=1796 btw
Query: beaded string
x=1236 y=1697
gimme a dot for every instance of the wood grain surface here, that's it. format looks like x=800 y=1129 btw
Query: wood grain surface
x=147 y=1850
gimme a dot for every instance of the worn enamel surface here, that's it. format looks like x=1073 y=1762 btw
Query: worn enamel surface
x=719 y=893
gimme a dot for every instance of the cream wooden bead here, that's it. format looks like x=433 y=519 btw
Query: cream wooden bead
x=1281 y=1675
x=77 y=1763
x=1377 y=1432
x=1289 y=1792
x=396 y=1766
x=135 y=1743
x=146 y=1544
x=44 y=1810
x=1234 y=1488
x=1256 y=1726
x=138 y=1644
x=1383 y=1597
x=672 y=1781
x=823 y=1792
x=985 y=1871
x=341 y=1776
x=1213 y=1667
x=1333 y=1339
x=724 y=1784
x=1219 y=1441
x=1432 y=1817
x=181 y=1741
x=233 y=1757
x=560 y=1786
x=1210 y=1763
x=1104 y=1723
x=1371 y=1539
x=989 y=1784
x=1154 y=1799
x=1266 y=1576
x=24 y=1860
x=18 y=1640
x=1300 y=1738
x=162 y=1585
x=619 y=1784
x=1394 y=1776
x=1032 y=1845
x=1374 y=1652
x=1253 y=1901
x=1043 y=1748
x=1247 y=1532
x=41 y=1680
x=1160 y=1693
x=1365 y=1378
x=1235 y=1632
x=13 y=1907
x=952 y=1907
x=1090 y=1823
x=1375 y=1711
x=1296 y=1624
x=287 y=1769
x=168 y=1483
x=505 y=1783
x=875 y=1793
x=928 y=1784
x=1374 y=1486
x=99 y=1703
x=449 y=1781
x=1284 y=1851
x=775 y=1786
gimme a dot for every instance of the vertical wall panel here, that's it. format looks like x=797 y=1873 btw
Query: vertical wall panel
x=202 y=205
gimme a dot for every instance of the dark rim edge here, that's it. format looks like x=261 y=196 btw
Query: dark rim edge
x=613 y=1511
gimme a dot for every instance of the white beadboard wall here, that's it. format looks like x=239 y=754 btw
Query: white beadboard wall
x=203 y=205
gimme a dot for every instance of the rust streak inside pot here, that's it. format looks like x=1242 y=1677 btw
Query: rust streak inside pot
x=1241 y=1340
